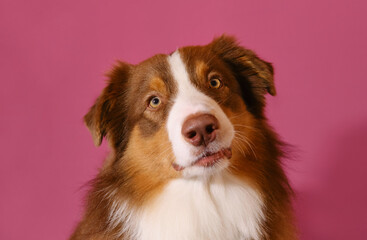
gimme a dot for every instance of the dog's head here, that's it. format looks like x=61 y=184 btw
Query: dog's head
x=184 y=114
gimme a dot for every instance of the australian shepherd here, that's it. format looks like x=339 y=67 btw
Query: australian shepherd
x=192 y=155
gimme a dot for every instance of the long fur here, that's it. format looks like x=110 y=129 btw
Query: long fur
x=139 y=195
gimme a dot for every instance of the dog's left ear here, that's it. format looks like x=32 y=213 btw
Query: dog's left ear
x=246 y=63
x=254 y=75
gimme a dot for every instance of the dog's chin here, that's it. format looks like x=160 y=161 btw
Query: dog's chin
x=205 y=171
x=206 y=164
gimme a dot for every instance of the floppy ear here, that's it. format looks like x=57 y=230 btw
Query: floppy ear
x=246 y=62
x=107 y=109
x=254 y=75
x=93 y=122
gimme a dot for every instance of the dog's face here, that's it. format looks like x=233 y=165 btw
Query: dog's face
x=187 y=114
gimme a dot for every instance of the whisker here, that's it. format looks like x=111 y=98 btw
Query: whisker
x=237 y=116
x=238 y=146
x=247 y=141
x=253 y=129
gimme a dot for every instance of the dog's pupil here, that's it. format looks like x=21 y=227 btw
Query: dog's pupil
x=155 y=101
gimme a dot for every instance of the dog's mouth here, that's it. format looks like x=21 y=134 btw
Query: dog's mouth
x=207 y=159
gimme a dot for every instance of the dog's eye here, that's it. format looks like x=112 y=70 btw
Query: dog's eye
x=215 y=83
x=155 y=102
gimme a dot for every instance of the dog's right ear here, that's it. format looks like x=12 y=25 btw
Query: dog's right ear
x=102 y=115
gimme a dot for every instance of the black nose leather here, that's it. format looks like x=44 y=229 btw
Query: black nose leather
x=200 y=129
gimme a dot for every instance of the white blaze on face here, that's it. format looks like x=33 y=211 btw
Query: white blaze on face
x=190 y=100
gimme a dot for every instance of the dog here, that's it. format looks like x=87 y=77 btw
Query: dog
x=192 y=155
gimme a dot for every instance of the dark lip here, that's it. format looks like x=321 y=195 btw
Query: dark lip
x=208 y=159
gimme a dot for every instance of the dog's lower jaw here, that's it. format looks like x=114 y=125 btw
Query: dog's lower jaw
x=206 y=173
x=207 y=160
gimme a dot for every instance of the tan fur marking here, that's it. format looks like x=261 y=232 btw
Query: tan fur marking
x=148 y=163
x=201 y=69
x=158 y=85
x=243 y=149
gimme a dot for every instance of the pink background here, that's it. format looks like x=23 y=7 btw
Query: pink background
x=53 y=55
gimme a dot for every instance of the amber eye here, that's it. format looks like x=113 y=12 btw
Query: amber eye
x=155 y=102
x=215 y=83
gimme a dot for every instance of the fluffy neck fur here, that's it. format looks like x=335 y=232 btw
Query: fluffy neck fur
x=223 y=208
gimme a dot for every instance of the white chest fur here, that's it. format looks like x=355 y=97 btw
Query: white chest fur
x=223 y=208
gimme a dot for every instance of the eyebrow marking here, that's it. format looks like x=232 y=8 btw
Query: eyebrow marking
x=157 y=84
x=201 y=69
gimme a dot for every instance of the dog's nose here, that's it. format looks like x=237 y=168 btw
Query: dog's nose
x=200 y=129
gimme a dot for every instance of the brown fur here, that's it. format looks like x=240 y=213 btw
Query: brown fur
x=141 y=163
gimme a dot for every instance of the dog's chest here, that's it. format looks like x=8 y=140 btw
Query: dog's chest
x=222 y=209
